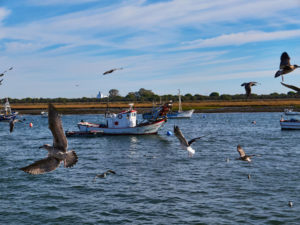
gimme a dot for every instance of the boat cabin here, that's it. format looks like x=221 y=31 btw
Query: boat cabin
x=123 y=119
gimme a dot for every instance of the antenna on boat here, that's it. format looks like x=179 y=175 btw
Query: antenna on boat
x=130 y=106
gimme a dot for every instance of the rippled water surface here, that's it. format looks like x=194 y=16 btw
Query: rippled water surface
x=156 y=181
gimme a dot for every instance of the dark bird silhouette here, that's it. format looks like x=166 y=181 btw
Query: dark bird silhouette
x=58 y=152
x=291 y=87
x=1 y=82
x=112 y=70
x=184 y=143
x=2 y=74
x=248 y=87
x=243 y=156
x=12 y=124
x=103 y=175
x=285 y=66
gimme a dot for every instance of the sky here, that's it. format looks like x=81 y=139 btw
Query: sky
x=60 y=48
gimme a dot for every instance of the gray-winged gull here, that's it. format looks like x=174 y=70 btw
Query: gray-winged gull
x=103 y=175
x=56 y=153
x=248 y=87
x=243 y=156
x=285 y=66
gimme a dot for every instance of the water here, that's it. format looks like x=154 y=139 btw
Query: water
x=156 y=181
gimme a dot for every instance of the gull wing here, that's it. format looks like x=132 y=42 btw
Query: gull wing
x=284 y=60
x=194 y=139
x=180 y=136
x=55 y=125
x=11 y=125
x=252 y=83
x=241 y=151
x=42 y=166
x=111 y=171
x=291 y=87
x=109 y=71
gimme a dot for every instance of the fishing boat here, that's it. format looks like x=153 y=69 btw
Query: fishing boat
x=6 y=114
x=291 y=112
x=123 y=123
x=180 y=114
x=290 y=124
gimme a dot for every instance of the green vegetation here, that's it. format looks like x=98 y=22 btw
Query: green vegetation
x=144 y=95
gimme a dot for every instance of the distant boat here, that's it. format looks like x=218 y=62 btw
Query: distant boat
x=123 y=123
x=6 y=114
x=180 y=114
x=44 y=114
x=291 y=112
x=291 y=124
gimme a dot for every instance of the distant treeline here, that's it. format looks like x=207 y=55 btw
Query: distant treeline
x=144 y=95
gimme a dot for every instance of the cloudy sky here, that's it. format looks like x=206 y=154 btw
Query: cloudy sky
x=60 y=48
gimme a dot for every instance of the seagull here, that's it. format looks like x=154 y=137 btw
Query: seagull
x=1 y=82
x=291 y=87
x=112 y=70
x=285 y=66
x=2 y=74
x=56 y=153
x=12 y=124
x=290 y=204
x=248 y=87
x=103 y=175
x=243 y=156
x=184 y=143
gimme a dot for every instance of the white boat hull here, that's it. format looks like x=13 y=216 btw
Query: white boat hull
x=290 y=125
x=181 y=115
x=146 y=128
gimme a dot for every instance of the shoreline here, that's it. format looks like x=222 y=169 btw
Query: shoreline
x=199 y=107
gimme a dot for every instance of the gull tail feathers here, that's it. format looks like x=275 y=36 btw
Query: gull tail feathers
x=71 y=159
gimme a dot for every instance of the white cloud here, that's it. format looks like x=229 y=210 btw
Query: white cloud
x=3 y=13
x=59 y=2
x=241 y=38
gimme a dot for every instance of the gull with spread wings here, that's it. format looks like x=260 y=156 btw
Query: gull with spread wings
x=184 y=143
x=112 y=70
x=58 y=152
x=12 y=124
x=103 y=175
x=243 y=155
x=248 y=87
x=285 y=66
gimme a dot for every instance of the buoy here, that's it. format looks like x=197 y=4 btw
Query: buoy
x=169 y=133
x=30 y=124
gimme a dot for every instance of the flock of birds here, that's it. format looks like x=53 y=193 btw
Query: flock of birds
x=58 y=152
x=285 y=67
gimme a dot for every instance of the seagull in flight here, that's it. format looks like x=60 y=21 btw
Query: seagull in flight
x=184 y=143
x=112 y=70
x=1 y=82
x=58 y=152
x=2 y=74
x=291 y=87
x=243 y=156
x=12 y=124
x=285 y=66
x=248 y=87
x=103 y=175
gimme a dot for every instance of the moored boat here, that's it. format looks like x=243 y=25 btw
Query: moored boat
x=180 y=114
x=290 y=124
x=291 y=112
x=123 y=123
x=6 y=114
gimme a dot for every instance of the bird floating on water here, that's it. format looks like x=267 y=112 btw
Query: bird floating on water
x=248 y=87
x=58 y=152
x=12 y=124
x=112 y=70
x=291 y=87
x=243 y=156
x=290 y=204
x=285 y=66
x=103 y=175
x=184 y=143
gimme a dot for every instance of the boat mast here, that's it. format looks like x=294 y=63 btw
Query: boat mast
x=179 y=101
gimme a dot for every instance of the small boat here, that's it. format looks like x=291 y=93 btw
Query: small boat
x=159 y=112
x=180 y=114
x=6 y=114
x=291 y=112
x=291 y=124
x=123 y=123
x=44 y=114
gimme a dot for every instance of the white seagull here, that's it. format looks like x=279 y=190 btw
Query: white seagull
x=58 y=152
x=184 y=143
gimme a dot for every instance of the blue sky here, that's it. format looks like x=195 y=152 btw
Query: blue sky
x=198 y=46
